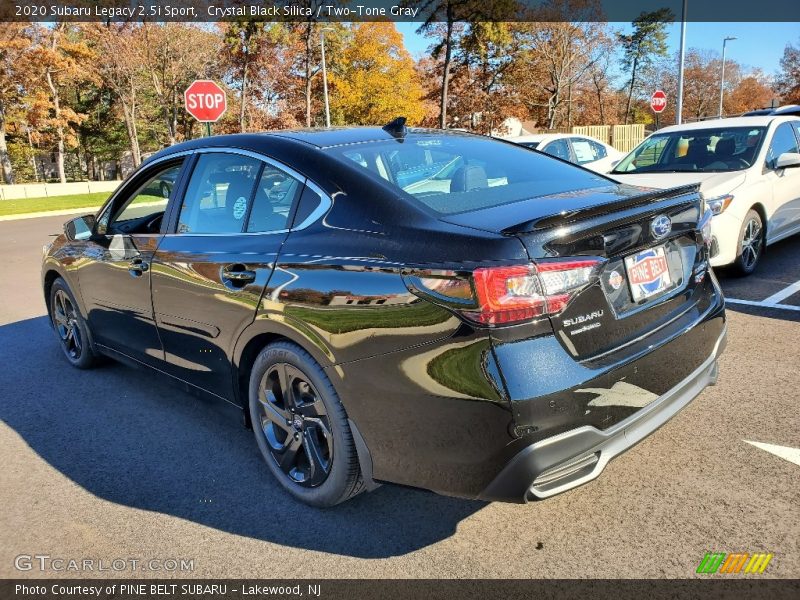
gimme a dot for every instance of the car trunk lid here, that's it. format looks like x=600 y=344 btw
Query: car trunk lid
x=648 y=241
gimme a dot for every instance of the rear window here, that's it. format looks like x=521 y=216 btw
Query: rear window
x=453 y=174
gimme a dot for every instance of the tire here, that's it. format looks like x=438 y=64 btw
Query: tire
x=70 y=327
x=165 y=190
x=750 y=247
x=303 y=436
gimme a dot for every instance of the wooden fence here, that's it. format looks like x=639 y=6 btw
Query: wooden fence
x=627 y=137
x=623 y=137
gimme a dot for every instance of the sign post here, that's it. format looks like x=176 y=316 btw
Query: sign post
x=206 y=102
x=658 y=102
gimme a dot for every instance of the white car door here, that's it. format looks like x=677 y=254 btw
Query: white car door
x=785 y=184
x=590 y=154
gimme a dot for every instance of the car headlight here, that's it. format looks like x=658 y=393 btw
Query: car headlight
x=719 y=204
x=705 y=227
x=46 y=249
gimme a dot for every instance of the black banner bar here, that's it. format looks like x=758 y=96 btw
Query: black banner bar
x=393 y=10
x=755 y=588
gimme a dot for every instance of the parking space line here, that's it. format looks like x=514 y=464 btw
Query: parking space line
x=762 y=304
x=784 y=293
x=784 y=452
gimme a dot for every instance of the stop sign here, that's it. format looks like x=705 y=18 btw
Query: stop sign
x=205 y=101
x=658 y=101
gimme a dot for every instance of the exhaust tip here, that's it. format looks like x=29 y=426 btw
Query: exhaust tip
x=564 y=473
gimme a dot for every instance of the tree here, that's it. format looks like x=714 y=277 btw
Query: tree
x=175 y=55
x=788 y=83
x=484 y=58
x=557 y=56
x=244 y=42
x=63 y=61
x=752 y=92
x=442 y=24
x=646 y=41
x=15 y=41
x=120 y=59
x=375 y=79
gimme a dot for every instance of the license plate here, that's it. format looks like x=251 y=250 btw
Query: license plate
x=648 y=273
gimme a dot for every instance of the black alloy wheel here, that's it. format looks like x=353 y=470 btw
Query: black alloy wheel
x=295 y=425
x=70 y=327
x=301 y=426
x=66 y=323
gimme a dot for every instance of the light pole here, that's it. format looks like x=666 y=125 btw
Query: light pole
x=679 y=105
x=722 y=78
x=325 y=76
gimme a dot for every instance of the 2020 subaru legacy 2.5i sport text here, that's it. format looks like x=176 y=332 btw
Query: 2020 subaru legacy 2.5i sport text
x=429 y=308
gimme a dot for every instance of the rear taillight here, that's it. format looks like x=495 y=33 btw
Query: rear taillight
x=511 y=294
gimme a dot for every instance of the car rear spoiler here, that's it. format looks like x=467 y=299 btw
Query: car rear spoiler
x=638 y=197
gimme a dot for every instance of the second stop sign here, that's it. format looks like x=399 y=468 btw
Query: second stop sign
x=205 y=101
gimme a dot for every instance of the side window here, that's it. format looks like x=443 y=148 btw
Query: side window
x=275 y=193
x=784 y=140
x=219 y=194
x=584 y=150
x=599 y=150
x=558 y=148
x=149 y=200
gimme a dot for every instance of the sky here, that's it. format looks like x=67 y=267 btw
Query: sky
x=758 y=45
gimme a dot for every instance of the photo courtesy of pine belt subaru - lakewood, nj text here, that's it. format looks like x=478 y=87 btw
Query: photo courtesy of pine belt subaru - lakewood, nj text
x=429 y=308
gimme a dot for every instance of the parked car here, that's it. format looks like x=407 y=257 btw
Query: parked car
x=747 y=168
x=498 y=327
x=581 y=150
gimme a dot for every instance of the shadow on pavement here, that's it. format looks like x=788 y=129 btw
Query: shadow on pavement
x=128 y=437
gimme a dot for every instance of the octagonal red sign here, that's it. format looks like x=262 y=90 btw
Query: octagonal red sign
x=658 y=101
x=205 y=101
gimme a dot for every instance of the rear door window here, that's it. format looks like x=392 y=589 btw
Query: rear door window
x=585 y=151
x=219 y=194
x=275 y=194
x=559 y=149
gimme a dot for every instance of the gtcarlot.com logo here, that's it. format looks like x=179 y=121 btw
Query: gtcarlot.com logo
x=45 y=562
x=737 y=562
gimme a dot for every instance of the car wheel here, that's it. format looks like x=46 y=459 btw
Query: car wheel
x=301 y=427
x=751 y=244
x=71 y=329
x=165 y=190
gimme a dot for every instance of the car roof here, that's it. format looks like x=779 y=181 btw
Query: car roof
x=291 y=141
x=342 y=136
x=750 y=121
x=535 y=137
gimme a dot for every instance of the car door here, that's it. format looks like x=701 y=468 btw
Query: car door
x=210 y=269
x=114 y=276
x=785 y=184
x=586 y=152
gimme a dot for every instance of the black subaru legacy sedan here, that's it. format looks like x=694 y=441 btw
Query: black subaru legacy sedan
x=429 y=308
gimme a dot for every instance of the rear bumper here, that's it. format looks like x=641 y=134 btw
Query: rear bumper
x=565 y=461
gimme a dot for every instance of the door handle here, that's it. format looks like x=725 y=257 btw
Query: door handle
x=137 y=266
x=238 y=275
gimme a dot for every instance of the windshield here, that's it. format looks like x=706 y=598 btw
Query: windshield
x=696 y=150
x=452 y=174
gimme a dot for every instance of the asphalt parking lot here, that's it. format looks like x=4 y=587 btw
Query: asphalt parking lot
x=114 y=463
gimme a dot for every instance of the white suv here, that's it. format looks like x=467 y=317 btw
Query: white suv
x=748 y=169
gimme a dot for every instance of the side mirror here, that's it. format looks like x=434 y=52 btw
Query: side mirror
x=80 y=228
x=788 y=160
x=614 y=163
